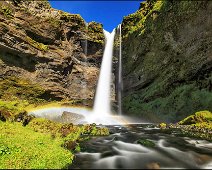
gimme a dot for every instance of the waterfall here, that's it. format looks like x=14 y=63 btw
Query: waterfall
x=102 y=97
x=120 y=74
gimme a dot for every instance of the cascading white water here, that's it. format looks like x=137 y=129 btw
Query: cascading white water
x=101 y=113
x=102 y=98
x=120 y=74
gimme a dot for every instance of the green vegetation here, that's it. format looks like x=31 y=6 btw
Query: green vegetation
x=162 y=125
x=171 y=108
x=199 y=117
x=95 y=32
x=198 y=125
x=9 y=110
x=54 y=22
x=6 y=11
x=22 y=148
x=37 y=45
x=75 y=19
x=140 y=21
x=42 y=143
x=15 y=89
x=146 y=142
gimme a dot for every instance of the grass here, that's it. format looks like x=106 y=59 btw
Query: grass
x=21 y=148
x=37 y=45
x=42 y=143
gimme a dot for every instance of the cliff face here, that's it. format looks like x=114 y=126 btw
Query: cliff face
x=167 y=60
x=47 y=54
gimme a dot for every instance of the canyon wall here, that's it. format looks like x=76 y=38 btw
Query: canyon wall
x=167 y=60
x=47 y=54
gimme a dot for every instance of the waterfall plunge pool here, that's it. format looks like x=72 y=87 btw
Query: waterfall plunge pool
x=81 y=115
x=122 y=150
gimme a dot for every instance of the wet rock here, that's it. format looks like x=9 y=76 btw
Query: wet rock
x=71 y=145
x=23 y=117
x=2 y=116
x=146 y=142
x=68 y=117
x=153 y=165
x=107 y=154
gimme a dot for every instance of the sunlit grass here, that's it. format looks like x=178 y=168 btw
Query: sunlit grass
x=21 y=147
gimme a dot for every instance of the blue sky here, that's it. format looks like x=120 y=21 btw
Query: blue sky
x=109 y=13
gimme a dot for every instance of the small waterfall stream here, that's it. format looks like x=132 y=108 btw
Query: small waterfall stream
x=120 y=85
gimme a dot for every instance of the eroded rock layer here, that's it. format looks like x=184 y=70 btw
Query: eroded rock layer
x=47 y=54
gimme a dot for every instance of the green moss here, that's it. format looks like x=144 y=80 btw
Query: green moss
x=146 y=142
x=140 y=21
x=14 y=88
x=22 y=148
x=76 y=20
x=9 y=109
x=70 y=132
x=42 y=133
x=37 y=45
x=95 y=32
x=162 y=125
x=198 y=117
x=175 y=106
x=7 y=11
x=45 y=126
x=54 y=22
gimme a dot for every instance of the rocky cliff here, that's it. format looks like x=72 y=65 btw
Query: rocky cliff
x=47 y=54
x=167 y=60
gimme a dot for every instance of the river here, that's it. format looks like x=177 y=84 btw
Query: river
x=163 y=149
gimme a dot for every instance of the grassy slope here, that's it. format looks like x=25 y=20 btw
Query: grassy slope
x=21 y=147
x=42 y=143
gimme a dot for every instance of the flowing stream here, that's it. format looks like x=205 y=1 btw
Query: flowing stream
x=121 y=150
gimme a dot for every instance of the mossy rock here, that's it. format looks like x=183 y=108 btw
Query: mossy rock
x=37 y=45
x=12 y=110
x=74 y=19
x=20 y=90
x=198 y=117
x=6 y=11
x=146 y=142
x=45 y=126
x=95 y=32
x=162 y=125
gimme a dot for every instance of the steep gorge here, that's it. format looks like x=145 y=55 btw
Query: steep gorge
x=167 y=60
